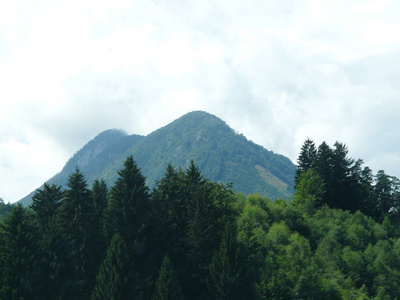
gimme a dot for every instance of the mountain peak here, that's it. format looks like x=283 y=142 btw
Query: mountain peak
x=220 y=153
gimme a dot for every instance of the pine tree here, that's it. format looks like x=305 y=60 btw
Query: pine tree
x=387 y=195
x=310 y=191
x=129 y=205
x=117 y=279
x=129 y=214
x=76 y=216
x=227 y=275
x=342 y=183
x=306 y=159
x=167 y=284
x=208 y=209
x=46 y=202
x=18 y=256
x=99 y=195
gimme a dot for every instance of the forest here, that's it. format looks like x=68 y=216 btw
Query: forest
x=338 y=237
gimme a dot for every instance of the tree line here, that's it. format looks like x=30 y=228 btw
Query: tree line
x=328 y=176
x=191 y=238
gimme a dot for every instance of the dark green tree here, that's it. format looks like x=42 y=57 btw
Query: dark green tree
x=228 y=278
x=99 y=194
x=117 y=279
x=342 y=184
x=5 y=208
x=46 y=202
x=76 y=220
x=307 y=156
x=18 y=256
x=128 y=205
x=310 y=191
x=387 y=195
x=129 y=214
x=208 y=209
x=167 y=284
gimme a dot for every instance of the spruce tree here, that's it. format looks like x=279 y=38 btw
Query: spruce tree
x=76 y=217
x=18 y=256
x=167 y=284
x=129 y=214
x=227 y=278
x=306 y=159
x=99 y=195
x=46 y=202
x=117 y=279
x=128 y=206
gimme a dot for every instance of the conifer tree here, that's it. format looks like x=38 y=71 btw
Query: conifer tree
x=227 y=275
x=18 y=256
x=97 y=228
x=169 y=205
x=167 y=284
x=307 y=156
x=117 y=279
x=129 y=213
x=46 y=202
x=128 y=204
x=76 y=216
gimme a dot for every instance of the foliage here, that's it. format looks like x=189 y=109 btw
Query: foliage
x=328 y=176
x=192 y=238
x=167 y=284
x=117 y=278
x=5 y=209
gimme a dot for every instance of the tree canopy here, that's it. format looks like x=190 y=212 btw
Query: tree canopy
x=192 y=238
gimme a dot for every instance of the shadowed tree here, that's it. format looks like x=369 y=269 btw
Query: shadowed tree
x=46 y=202
x=76 y=220
x=167 y=284
x=117 y=279
x=307 y=155
x=18 y=256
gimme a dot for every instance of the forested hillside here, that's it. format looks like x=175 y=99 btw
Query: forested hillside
x=220 y=153
x=5 y=208
x=192 y=238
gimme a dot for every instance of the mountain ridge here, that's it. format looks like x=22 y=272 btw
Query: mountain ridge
x=220 y=153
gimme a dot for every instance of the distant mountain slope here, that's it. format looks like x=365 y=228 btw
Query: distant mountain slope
x=220 y=153
x=94 y=158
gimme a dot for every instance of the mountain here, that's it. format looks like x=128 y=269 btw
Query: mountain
x=221 y=154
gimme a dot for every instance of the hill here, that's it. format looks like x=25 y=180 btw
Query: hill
x=221 y=154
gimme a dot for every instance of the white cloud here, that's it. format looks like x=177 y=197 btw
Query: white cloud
x=277 y=71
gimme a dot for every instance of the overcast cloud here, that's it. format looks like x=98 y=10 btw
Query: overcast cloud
x=277 y=71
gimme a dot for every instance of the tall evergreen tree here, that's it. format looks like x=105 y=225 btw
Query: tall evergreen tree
x=117 y=279
x=129 y=214
x=308 y=154
x=387 y=195
x=46 y=202
x=167 y=284
x=342 y=184
x=76 y=216
x=208 y=209
x=128 y=204
x=97 y=229
x=227 y=278
x=310 y=191
x=18 y=256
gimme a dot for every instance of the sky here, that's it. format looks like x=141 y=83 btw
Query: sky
x=277 y=71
